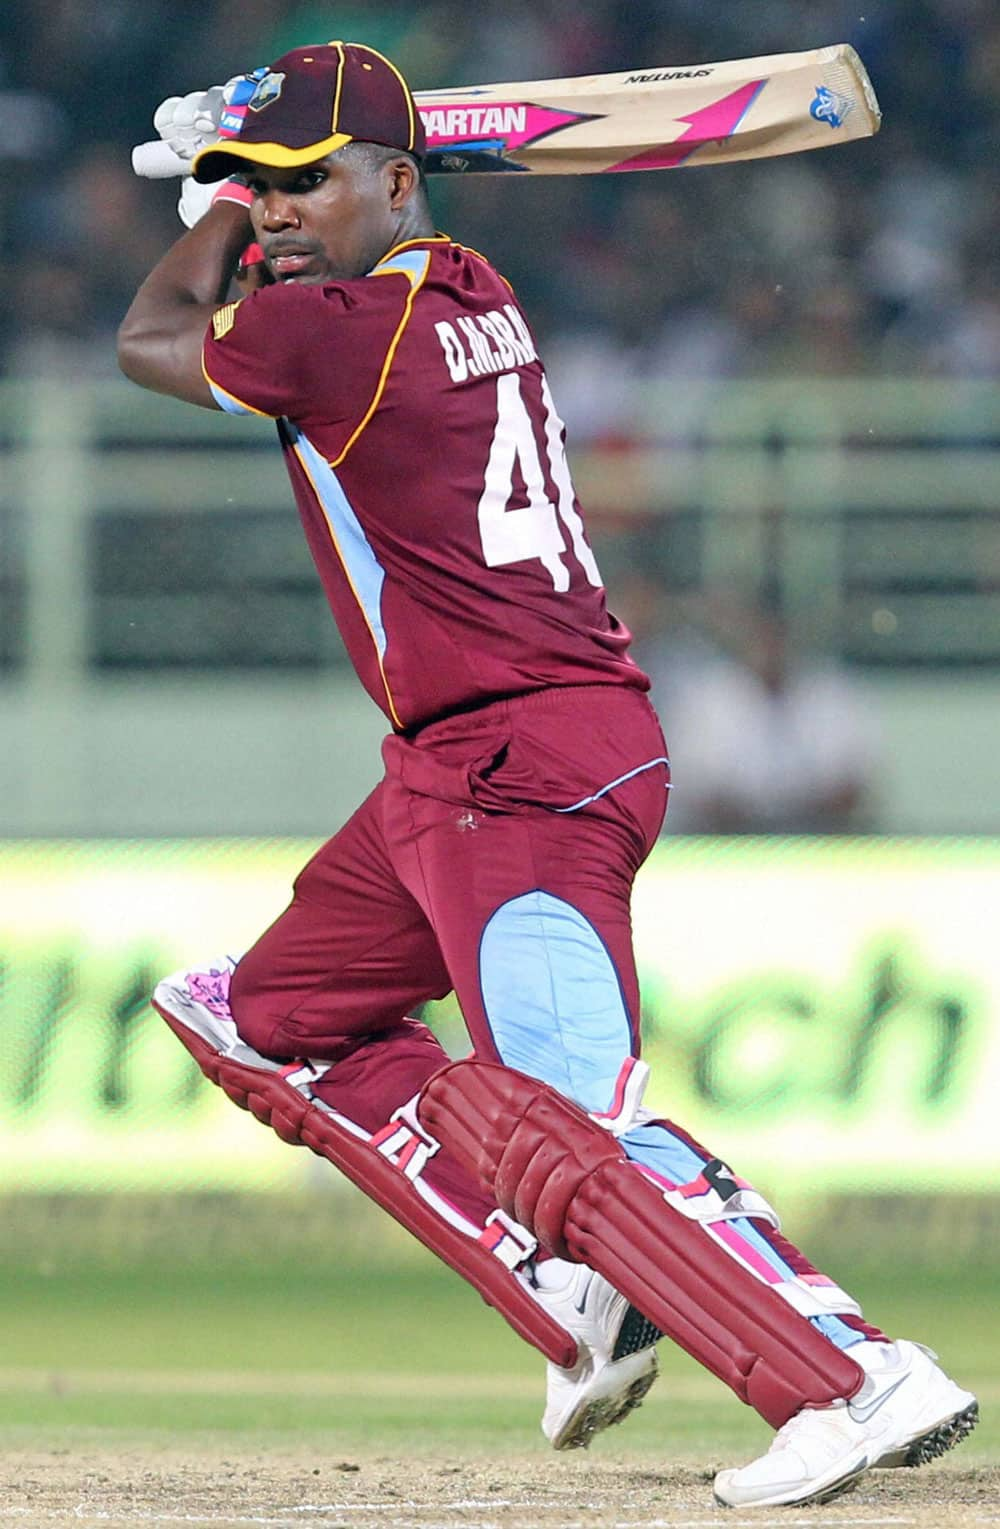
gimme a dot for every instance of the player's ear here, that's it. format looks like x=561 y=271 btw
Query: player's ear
x=403 y=181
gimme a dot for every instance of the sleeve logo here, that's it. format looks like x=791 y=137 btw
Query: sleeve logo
x=223 y=319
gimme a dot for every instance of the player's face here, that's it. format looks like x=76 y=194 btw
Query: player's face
x=328 y=221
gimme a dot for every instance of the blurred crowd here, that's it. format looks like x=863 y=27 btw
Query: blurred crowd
x=766 y=734
x=878 y=257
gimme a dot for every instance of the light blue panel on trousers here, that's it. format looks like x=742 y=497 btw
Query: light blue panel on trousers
x=668 y=1155
x=553 y=998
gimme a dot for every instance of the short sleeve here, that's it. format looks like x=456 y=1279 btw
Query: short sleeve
x=303 y=352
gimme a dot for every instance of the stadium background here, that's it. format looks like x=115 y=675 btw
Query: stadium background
x=782 y=386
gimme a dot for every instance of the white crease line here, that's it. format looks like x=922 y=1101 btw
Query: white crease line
x=597 y=1507
x=756 y=1523
x=137 y=1516
x=399 y=1503
x=750 y=1523
x=82 y=1512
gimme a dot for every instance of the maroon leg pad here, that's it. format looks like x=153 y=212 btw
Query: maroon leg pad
x=298 y=1121
x=569 y=1182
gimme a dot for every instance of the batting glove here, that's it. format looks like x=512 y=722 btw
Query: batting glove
x=196 y=199
x=188 y=124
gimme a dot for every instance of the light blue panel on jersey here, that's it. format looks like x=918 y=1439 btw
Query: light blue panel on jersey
x=227 y=401
x=553 y=998
x=413 y=263
x=363 y=568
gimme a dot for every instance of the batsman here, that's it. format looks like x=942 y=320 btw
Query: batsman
x=525 y=781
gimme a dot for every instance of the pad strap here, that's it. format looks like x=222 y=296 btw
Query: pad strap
x=569 y=1182
x=388 y=1167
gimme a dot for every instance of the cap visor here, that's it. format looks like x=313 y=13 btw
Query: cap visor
x=231 y=157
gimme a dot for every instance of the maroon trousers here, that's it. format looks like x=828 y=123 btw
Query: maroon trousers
x=495 y=858
x=550 y=800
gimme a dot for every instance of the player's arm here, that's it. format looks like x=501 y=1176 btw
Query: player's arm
x=161 y=337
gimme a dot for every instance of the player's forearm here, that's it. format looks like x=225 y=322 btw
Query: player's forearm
x=160 y=338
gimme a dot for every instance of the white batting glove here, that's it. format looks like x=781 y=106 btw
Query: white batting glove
x=196 y=199
x=189 y=123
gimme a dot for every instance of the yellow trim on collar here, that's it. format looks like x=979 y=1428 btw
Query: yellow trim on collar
x=407 y=244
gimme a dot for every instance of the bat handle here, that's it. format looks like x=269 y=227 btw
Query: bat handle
x=157 y=161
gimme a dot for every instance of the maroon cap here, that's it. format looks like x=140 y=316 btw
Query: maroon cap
x=312 y=102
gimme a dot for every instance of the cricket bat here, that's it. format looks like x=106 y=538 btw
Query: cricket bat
x=642 y=119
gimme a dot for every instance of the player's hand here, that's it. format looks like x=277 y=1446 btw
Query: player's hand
x=236 y=96
x=196 y=198
x=253 y=272
x=188 y=124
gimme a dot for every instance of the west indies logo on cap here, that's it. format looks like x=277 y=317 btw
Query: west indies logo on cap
x=267 y=91
x=320 y=99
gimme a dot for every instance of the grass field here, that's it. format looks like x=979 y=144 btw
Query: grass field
x=151 y=1379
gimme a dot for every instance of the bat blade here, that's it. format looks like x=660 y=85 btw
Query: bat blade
x=643 y=119
x=653 y=119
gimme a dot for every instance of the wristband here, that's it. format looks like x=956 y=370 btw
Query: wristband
x=233 y=191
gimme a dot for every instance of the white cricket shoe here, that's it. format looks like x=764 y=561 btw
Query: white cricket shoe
x=906 y=1413
x=198 y=997
x=617 y=1363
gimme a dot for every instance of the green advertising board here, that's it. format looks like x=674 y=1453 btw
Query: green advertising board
x=819 y=1012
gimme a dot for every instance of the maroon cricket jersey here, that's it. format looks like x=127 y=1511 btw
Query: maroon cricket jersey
x=428 y=466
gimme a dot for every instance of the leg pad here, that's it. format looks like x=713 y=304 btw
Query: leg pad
x=277 y=1101
x=569 y=1182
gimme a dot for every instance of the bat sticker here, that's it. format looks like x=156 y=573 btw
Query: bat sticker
x=509 y=125
x=830 y=106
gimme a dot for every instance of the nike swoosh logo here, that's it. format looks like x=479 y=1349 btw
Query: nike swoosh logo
x=581 y=1305
x=867 y=1412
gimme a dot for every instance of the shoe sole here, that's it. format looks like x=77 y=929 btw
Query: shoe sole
x=935 y=1442
x=604 y=1411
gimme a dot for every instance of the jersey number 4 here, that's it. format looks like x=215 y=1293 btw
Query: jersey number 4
x=533 y=530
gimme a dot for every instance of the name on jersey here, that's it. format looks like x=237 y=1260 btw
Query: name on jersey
x=486 y=342
x=453 y=122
